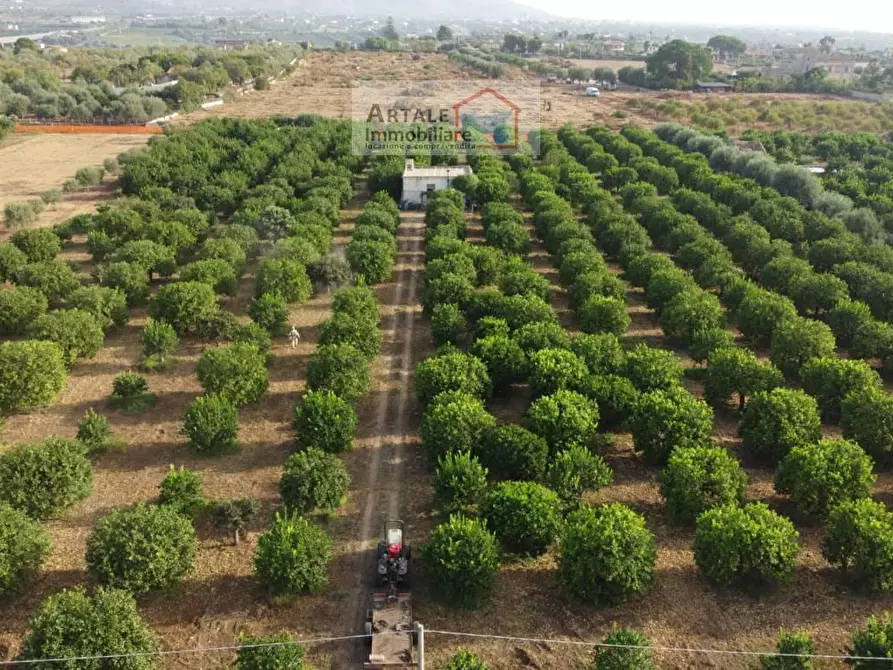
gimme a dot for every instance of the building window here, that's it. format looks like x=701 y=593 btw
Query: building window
x=430 y=187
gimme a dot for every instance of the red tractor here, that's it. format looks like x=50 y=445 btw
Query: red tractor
x=389 y=623
x=394 y=555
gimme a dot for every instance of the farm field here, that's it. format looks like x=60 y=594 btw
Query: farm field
x=773 y=266
x=33 y=164
x=321 y=85
x=681 y=609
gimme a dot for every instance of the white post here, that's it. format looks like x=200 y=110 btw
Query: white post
x=420 y=632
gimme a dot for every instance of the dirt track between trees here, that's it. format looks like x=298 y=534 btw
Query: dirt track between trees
x=387 y=434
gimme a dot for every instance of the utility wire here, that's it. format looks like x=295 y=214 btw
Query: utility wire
x=505 y=638
x=190 y=650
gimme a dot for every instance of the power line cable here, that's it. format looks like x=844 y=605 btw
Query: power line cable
x=487 y=636
x=184 y=651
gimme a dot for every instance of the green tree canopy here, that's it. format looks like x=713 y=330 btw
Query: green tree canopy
x=679 y=64
x=727 y=45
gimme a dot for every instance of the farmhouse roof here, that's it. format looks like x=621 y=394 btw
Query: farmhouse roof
x=435 y=171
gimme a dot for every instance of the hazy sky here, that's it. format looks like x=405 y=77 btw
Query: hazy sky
x=873 y=15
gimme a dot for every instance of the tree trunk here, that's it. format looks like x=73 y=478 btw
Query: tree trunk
x=237 y=537
x=740 y=401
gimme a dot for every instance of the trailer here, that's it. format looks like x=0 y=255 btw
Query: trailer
x=389 y=624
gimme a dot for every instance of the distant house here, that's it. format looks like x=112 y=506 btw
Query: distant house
x=230 y=45
x=712 y=87
x=420 y=182
x=614 y=46
x=797 y=62
x=88 y=19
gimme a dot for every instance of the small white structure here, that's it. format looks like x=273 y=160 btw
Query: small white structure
x=419 y=182
x=87 y=19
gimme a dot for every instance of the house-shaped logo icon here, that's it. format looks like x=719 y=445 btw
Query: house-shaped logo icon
x=494 y=114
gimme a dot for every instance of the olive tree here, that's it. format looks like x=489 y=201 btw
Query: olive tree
x=624 y=649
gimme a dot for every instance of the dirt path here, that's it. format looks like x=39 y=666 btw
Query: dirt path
x=386 y=426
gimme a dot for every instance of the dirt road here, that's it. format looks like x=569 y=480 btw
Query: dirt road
x=387 y=444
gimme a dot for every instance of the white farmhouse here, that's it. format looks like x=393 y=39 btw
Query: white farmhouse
x=418 y=182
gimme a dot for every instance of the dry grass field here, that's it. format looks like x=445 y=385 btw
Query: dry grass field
x=322 y=85
x=33 y=164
